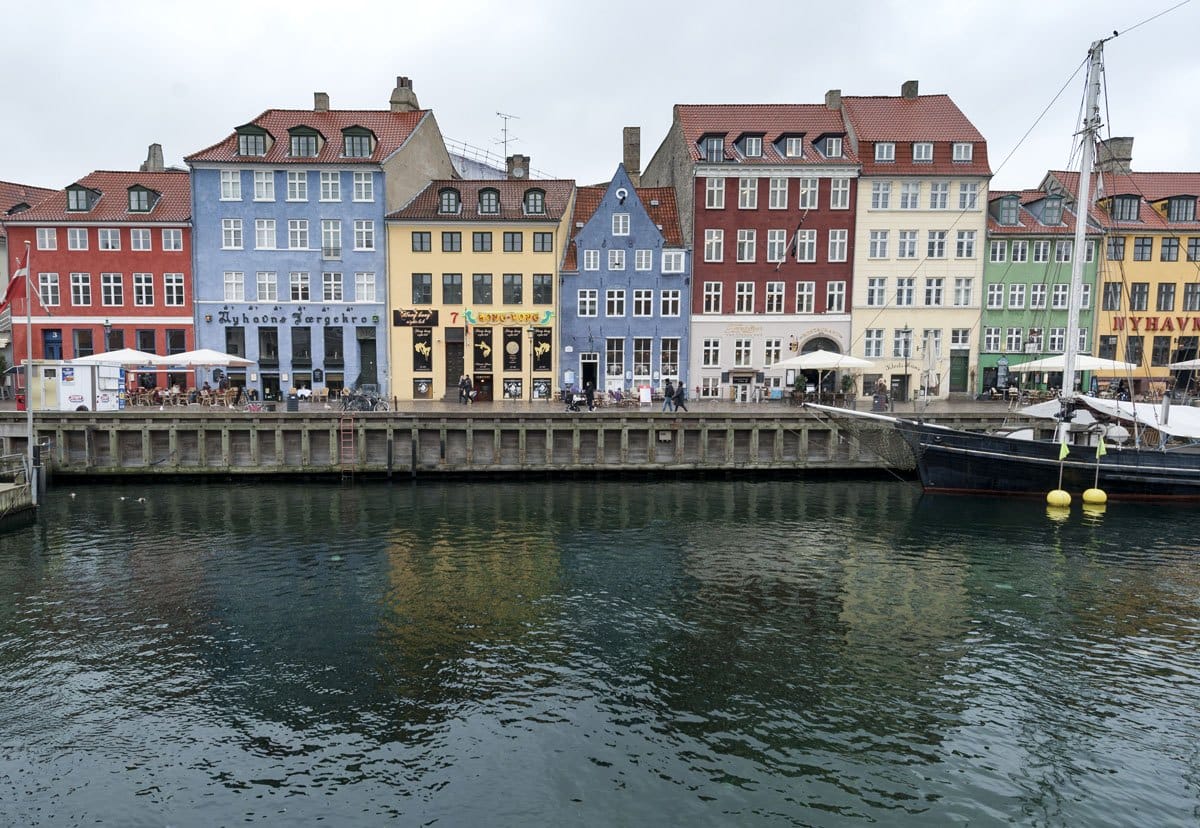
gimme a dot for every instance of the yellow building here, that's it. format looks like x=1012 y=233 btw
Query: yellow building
x=472 y=287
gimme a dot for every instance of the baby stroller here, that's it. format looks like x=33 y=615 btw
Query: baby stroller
x=574 y=401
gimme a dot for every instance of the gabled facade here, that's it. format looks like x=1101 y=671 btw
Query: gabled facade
x=1026 y=287
x=473 y=270
x=14 y=199
x=767 y=202
x=624 y=296
x=921 y=225
x=1149 y=282
x=290 y=256
x=111 y=266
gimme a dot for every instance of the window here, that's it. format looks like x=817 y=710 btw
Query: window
x=910 y=195
x=714 y=245
x=712 y=297
x=331 y=239
x=489 y=201
x=1063 y=250
x=1181 y=209
x=452 y=288
x=143 y=289
x=364 y=187
x=876 y=292
x=620 y=224
x=837 y=245
x=902 y=343
x=806 y=245
x=268 y=346
x=535 y=203
x=1041 y=251
x=235 y=286
x=1108 y=347
x=793 y=146
x=513 y=289
x=421 y=242
x=643 y=259
x=481 y=288
x=777 y=194
x=47 y=238
x=923 y=152
x=995 y=297
x=669 y=303
x=332 y=287
x=810 y=193
x=78 y=199
x=1037 y=297
x=451 y=241
x=643 y=302
x=1116 y=248
x=905 y=291
x=112 y=289
x=1052 y=212
x=991 y=339
x=839 y=194
x=587 y=302
x=109 y=239
x=297 y=185
x=714 y=193
x=747 y=193
x=364 y=287
x=231 y=185
x=1020 y=251
x=331 y=186
x=1057 y=342
x=264 y=185
x=936 y=247
x=513 y=241
x=1016 y=297
x=962 y=151
x=591 y=260
x=1059 y=297
x=81 y=289
x=1139 y=296
x=997 y=251
x=743 y=301
x=264 y=234
x=298 y=286
x=304 y=145
x=964 y=289
x=614 y=302
x=968 y=195
x=83 y=342
x=139 y=239
x=753 y=145
x=885 y=152
x=1133 y=349
x=774 y=297
x=231 y=234
x=544 y=243
x=939 y=195
x=907 y=246
x=252 y=143
x=934 y=287
x=806 y=297
x=742 y=353
x=835 y=297
x=1191 y=296
x=172 y=239
x=173 y=290
x=873 y=343
x=833 y=147
x=1125 y=208
x=714 y=149
x=268 y=286
x=356 y=145
x=1012 y=339
x=543 y=289
x=448 y=202
x=881 y=195
x=422 y=288
x=746 y=245
x=672 y=261
x=1168 y=250
x=1111 y=300
x=364 y=234
x=1166 y=297
x=1009 y=210
x=964 y=246
x=1143 y=247
x=669 y=359
x=616 y=259
x=1160 y=350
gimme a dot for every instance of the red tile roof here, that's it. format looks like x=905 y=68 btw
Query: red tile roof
x=12 y=194
x=1028 y=224
x=901 y=120
x=769 y=120
x=1151 y=187
x=665 y=214
x=175 y=204
x=391 y=130
x=424 y=205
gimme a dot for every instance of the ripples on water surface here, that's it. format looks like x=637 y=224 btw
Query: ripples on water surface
x=699 y=653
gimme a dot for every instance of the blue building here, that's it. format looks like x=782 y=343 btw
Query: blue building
x=625 y=302
x=289 y=249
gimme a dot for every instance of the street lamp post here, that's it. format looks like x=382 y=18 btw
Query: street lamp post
x=907 y=349
x=107 y=335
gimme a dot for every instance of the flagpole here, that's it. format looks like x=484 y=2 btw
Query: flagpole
x=33 y=484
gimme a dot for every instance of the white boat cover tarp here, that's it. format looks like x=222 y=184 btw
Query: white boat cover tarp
x=1183 y=421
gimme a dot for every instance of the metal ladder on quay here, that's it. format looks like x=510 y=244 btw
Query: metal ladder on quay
x=347 y=446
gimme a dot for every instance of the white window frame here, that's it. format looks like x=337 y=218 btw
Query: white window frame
x=264 y=185
x=231 y=234
x=962 y=151
x=1037 y=296
x=835 y=296
x=774 y=297
x=713 y=297
x=809 y=196
x=669 y=302
x=266 y=284
x=714 y=244
x=935 y=291
x=747 y=245
x=616 y=259
x=364 y=187
x=231 y=185
x=877 y=247
x=614 y=302
x=297 y=185
x=174 y=295
x=747 y=193
x=77 y=238
x=333 y=287
x=776 y=245
x=108 y=239
x=838 y=244
x=873 y=343
x=910 y=195
x=839 y=194
x=710 y=353
x=714 y=193
x=298 y=234
x=143 y=290
x=935 y=247
x=47 y=238
x=885 y=152
x=643 y=259
x=331 y=186
x=968 y=195
x=881 y=195
x=906 y=289
x=140 y=239
x=365 y=286
x=620 y=224
x=172 y=239
x=806 y=297
x=806 y=245
x=995 y=296
x=587 y=303
x=1016 y=296
x=876 y=291
x=777 y=193
x=922 y=152
x=672 y=261
x=939 y=195
x=906 y=244
x=364 y=234
x=964 y=244
x=743 y=297
x=998 y=251
x=964 y=290
x=591 y=259
x=643 y=302
x=264 y=234
x=81 y=290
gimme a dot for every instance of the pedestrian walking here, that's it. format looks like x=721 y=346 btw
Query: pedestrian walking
x=681 y=397
x=669 y=397
x=589 y=392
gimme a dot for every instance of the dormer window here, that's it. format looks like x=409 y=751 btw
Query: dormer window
x=489 y=202
x=141 y=199
x=535 y=202
x=80 y=198
x=714 y=149
x=923 y=152
x=1125 y=208
x=885 y=152
x=1181 y=208
x=357 y=143
x=1009 y=209
x=305 y=144
x=963 y=151
x=1052 y=212
x=793 y=146
x=449 y=202
x=252 y=142
x=753 y=146
x=833 y=147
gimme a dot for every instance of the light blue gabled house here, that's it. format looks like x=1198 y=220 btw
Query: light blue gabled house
x=625 y=299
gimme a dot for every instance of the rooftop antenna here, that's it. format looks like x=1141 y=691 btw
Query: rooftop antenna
x=505 y=140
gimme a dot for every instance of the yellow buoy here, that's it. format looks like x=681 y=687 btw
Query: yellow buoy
x=1095 y=496
x=1059 y=498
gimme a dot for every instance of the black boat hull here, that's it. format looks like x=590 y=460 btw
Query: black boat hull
x=950 y=460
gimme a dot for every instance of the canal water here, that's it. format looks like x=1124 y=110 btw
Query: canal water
x=595 y=653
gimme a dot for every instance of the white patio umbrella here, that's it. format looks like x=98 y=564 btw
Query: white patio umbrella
x=1083 y=362
x=822 y=361
x=1186 y=365
x=203 y=358
x=123 y=356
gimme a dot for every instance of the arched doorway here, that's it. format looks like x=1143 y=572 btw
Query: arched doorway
x=812 y=377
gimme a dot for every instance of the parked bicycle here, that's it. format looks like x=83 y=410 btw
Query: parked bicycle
x=355 y=399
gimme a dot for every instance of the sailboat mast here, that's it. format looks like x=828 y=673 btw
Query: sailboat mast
x=1090 y=131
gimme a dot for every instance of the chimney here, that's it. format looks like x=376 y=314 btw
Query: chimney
x=518 y=166
x=320 y=101
x=1115 y=155
x=403 y=98
x=632 y=155
x=909 y=90
x=833 y=99
x=154 y=160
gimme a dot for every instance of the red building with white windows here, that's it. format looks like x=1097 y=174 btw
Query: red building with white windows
x=110 y=263
x=767 y=197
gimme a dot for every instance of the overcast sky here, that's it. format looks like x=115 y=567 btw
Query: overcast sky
x=90 y=85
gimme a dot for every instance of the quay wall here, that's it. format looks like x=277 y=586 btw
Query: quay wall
x=210 y=443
